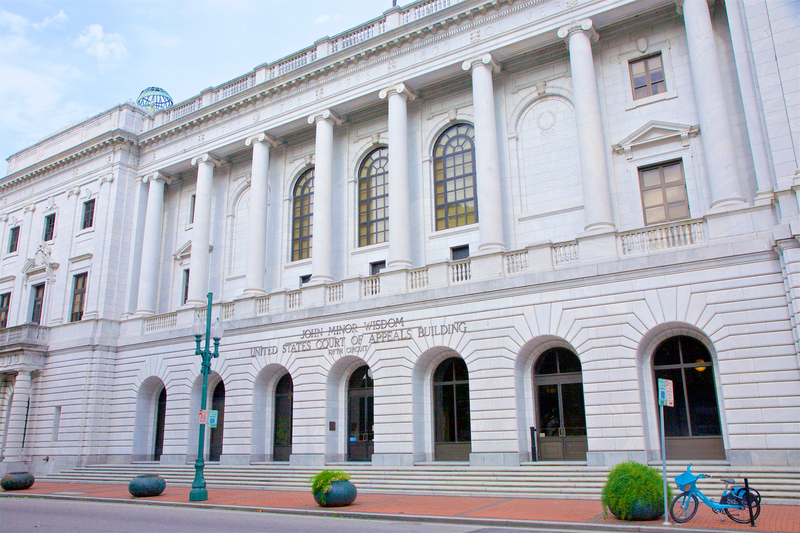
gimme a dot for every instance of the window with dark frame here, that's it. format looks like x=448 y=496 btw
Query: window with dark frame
x=373 y=198
x=458 y=253
x=5 y=304
x=376 y=267
x=303 y=216
x=192 y=201
x=78 y=297
x=37 y=303
x=454 y=177
x=13 y=240
x=88 y=214
x=49 y=227
x=185 y=291
x=664 y=197
x=647 y=76
x=305 y=279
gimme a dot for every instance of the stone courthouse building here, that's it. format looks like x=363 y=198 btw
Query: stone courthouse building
x=462 y=231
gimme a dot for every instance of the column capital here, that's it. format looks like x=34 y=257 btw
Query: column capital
x=325 y=114
x=261 y=138
x=207 y=158
x=157 y=176
x=585 y=25
x=398 y=88
x=484 y=59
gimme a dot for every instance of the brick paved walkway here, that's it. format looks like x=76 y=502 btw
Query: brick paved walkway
x=481 y=510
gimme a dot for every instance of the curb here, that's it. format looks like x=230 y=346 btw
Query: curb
x=455 y=520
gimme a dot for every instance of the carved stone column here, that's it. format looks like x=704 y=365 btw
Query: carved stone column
x=709 y=93
x=321 y=253
x=399 y=211
x=201 y=231
x=591 y=147
x=487 y=161
x=17 y=416
x=151 y=243
x=257 y=223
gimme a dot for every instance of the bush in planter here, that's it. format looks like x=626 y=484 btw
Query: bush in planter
x=634 y=492
x=332 y=488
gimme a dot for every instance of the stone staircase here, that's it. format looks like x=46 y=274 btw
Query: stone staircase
x=531 y=480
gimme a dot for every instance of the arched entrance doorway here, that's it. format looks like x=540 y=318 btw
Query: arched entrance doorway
x=452 y=435
x=692 y=428
x=561 y=412
x=217 y=404
x=360 y=415
x=161 y=416
x=282 y=447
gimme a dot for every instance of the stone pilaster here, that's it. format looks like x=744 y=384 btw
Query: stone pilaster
x=397 y=97
x=591 y=147
x=487 y=161
x=17 y=416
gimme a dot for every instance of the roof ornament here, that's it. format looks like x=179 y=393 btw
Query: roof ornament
x=154 y=98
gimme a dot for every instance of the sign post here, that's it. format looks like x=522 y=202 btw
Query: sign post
x=666 y=396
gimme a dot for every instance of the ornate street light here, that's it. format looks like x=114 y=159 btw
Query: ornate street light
x=199 y=492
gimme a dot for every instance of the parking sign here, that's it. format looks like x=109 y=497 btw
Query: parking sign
x=666 y=395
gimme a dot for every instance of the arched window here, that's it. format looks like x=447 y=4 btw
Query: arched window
x=303 y=216
x=692 y=428
x=451 y=411
x=373 y=195
x=454 y=177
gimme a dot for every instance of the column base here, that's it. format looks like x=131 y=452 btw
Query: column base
x=597 y=228
x=400 y=264
x=491 y=247
x=319 y=280
x=194 y=303
x=727 y=204
x=254 y=292
x=141 y=313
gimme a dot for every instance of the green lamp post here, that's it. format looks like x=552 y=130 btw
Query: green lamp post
x=199 y=492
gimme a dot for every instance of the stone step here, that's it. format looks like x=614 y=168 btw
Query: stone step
x=536 y=480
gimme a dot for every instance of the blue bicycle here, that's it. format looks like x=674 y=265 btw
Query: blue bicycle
x=733 y=503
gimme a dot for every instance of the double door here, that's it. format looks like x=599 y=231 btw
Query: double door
x=561 y=422
x=360 y=444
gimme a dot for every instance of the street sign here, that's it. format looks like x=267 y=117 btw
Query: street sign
x=203 y=416
x=666 y=394
x=212 y=418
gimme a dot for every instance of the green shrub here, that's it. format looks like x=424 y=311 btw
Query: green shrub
x=631 y=483
x=322 y=482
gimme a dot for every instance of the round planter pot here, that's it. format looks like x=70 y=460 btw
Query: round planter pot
x=147 y=485
x=642 y=511
x=17 y=481
x=340 y=494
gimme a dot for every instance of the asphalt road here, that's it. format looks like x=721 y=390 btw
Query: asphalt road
x=39 y=515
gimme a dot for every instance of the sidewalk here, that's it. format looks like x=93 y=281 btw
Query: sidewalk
x=507 y=512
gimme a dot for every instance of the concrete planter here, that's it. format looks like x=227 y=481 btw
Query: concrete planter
x=147 y=485
x=340 y=494
x=17 y=481
x=641 y=511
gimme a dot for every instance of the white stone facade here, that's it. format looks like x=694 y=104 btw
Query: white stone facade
x=560 y=256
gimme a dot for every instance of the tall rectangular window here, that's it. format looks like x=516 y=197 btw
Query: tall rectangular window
x=663 y=193
x=13 y=239
x=37 y=303
x=192 y=201
x=647 y=76
x=5 y=303
x=185 y=292
x=78 y=297
x=49 y=227
x=88 y=214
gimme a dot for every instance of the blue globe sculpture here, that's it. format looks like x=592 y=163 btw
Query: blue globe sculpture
x=154 y=98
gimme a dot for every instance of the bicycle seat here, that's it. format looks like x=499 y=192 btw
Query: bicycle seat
x=728 y=481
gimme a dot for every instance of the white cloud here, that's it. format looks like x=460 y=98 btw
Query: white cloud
x=108 y=48
x=15 y=23
x=57 y=21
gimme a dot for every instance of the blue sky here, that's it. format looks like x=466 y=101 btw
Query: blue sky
x=63 y=61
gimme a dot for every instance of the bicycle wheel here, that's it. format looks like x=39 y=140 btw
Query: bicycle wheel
x=742 y=515
x=683 y=507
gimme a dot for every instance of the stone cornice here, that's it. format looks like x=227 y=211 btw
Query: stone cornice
x=83 y=150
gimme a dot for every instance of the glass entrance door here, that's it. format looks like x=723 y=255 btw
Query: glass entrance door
x=561 y=421
x=360 y=416
x=217 y=404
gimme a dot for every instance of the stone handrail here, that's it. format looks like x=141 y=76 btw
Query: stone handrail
x=565 y=253
x=371 y=286
x=460 y=271
x=424 y=9
x=418 y=278
x=235 y=87
x=662 y=237
x=358 y=35
x=160 y=322
x=335 y=292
